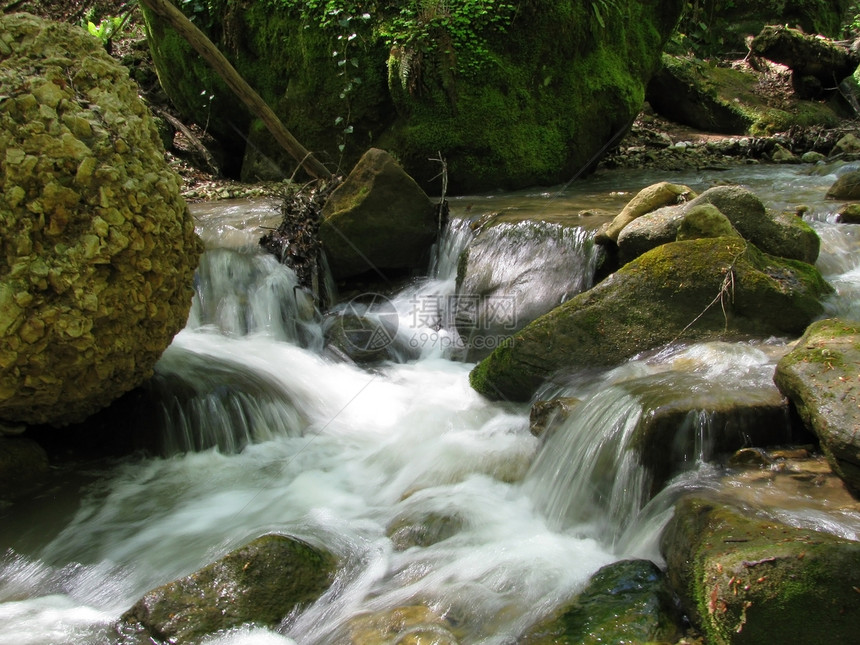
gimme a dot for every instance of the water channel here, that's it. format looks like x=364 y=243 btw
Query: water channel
x=263 y=430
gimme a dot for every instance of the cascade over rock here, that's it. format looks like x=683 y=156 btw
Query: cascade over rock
x=506 y=96
x=742 y=579
x=514 y=272
x=98 y=249
x=820 y=377
x=705 y=289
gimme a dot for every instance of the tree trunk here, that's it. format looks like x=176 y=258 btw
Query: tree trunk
x=198 y=40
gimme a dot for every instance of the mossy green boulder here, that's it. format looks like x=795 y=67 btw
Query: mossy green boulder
x=726 y=100
x=781 y=234
x=821 y=377
x=706 y=289
x=846 y=186
x=778 y=233
x=741 y=579
x=259 y=583
x=705 y=220
x=98 y=247
x=624 y=602
x=510 y=94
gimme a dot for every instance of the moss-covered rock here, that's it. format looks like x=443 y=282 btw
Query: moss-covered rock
x=508 y=98
x=649 y=231
x=97 y=248
x=714 y=26
x=689 y=91
x=846 y=186
x=258 y=583
x=646 y=200
x=378 y=221
x=815 y=63
x=624 y=602
x=782 y=234
x=848 y=214
x=745 y=580
x=820 y=377
x=724 y=100
x=705 y=220
x=718 y=288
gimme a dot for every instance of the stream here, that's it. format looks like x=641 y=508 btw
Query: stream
x=261 y=430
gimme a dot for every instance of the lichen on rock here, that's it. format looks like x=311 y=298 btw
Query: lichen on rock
x=97 y=248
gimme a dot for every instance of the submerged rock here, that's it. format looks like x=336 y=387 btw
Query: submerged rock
x=707 y=289
x=378 y=221
x=684 y=423
x=546 y=416
x=624 y=602
x=259 y=583
x=741 y=579
x=821 y=377
x=414 y=625
x=98 y=248
x=22 y=464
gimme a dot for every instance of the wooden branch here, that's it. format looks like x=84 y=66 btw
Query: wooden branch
x=193 y=140
x=198 y=40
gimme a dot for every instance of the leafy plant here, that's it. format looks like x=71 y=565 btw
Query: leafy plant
x=602 y=8
x=110 y=26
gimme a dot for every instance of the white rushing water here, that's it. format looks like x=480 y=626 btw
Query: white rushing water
x=266 y=432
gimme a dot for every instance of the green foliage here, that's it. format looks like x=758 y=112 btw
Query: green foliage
x=458 y=29
x=109 y=26
x=851 y=28
x=602 y=8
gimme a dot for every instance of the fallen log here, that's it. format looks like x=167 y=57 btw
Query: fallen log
x=816 y=63
x=198 y=40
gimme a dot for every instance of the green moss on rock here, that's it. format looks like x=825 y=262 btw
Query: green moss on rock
x=526 y=115
x=624 y=602
x=259 y=583
x=678 y=290
x=745 y=580
x=820 y=377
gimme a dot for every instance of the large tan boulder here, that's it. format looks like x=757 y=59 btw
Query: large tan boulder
x=97 y=248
